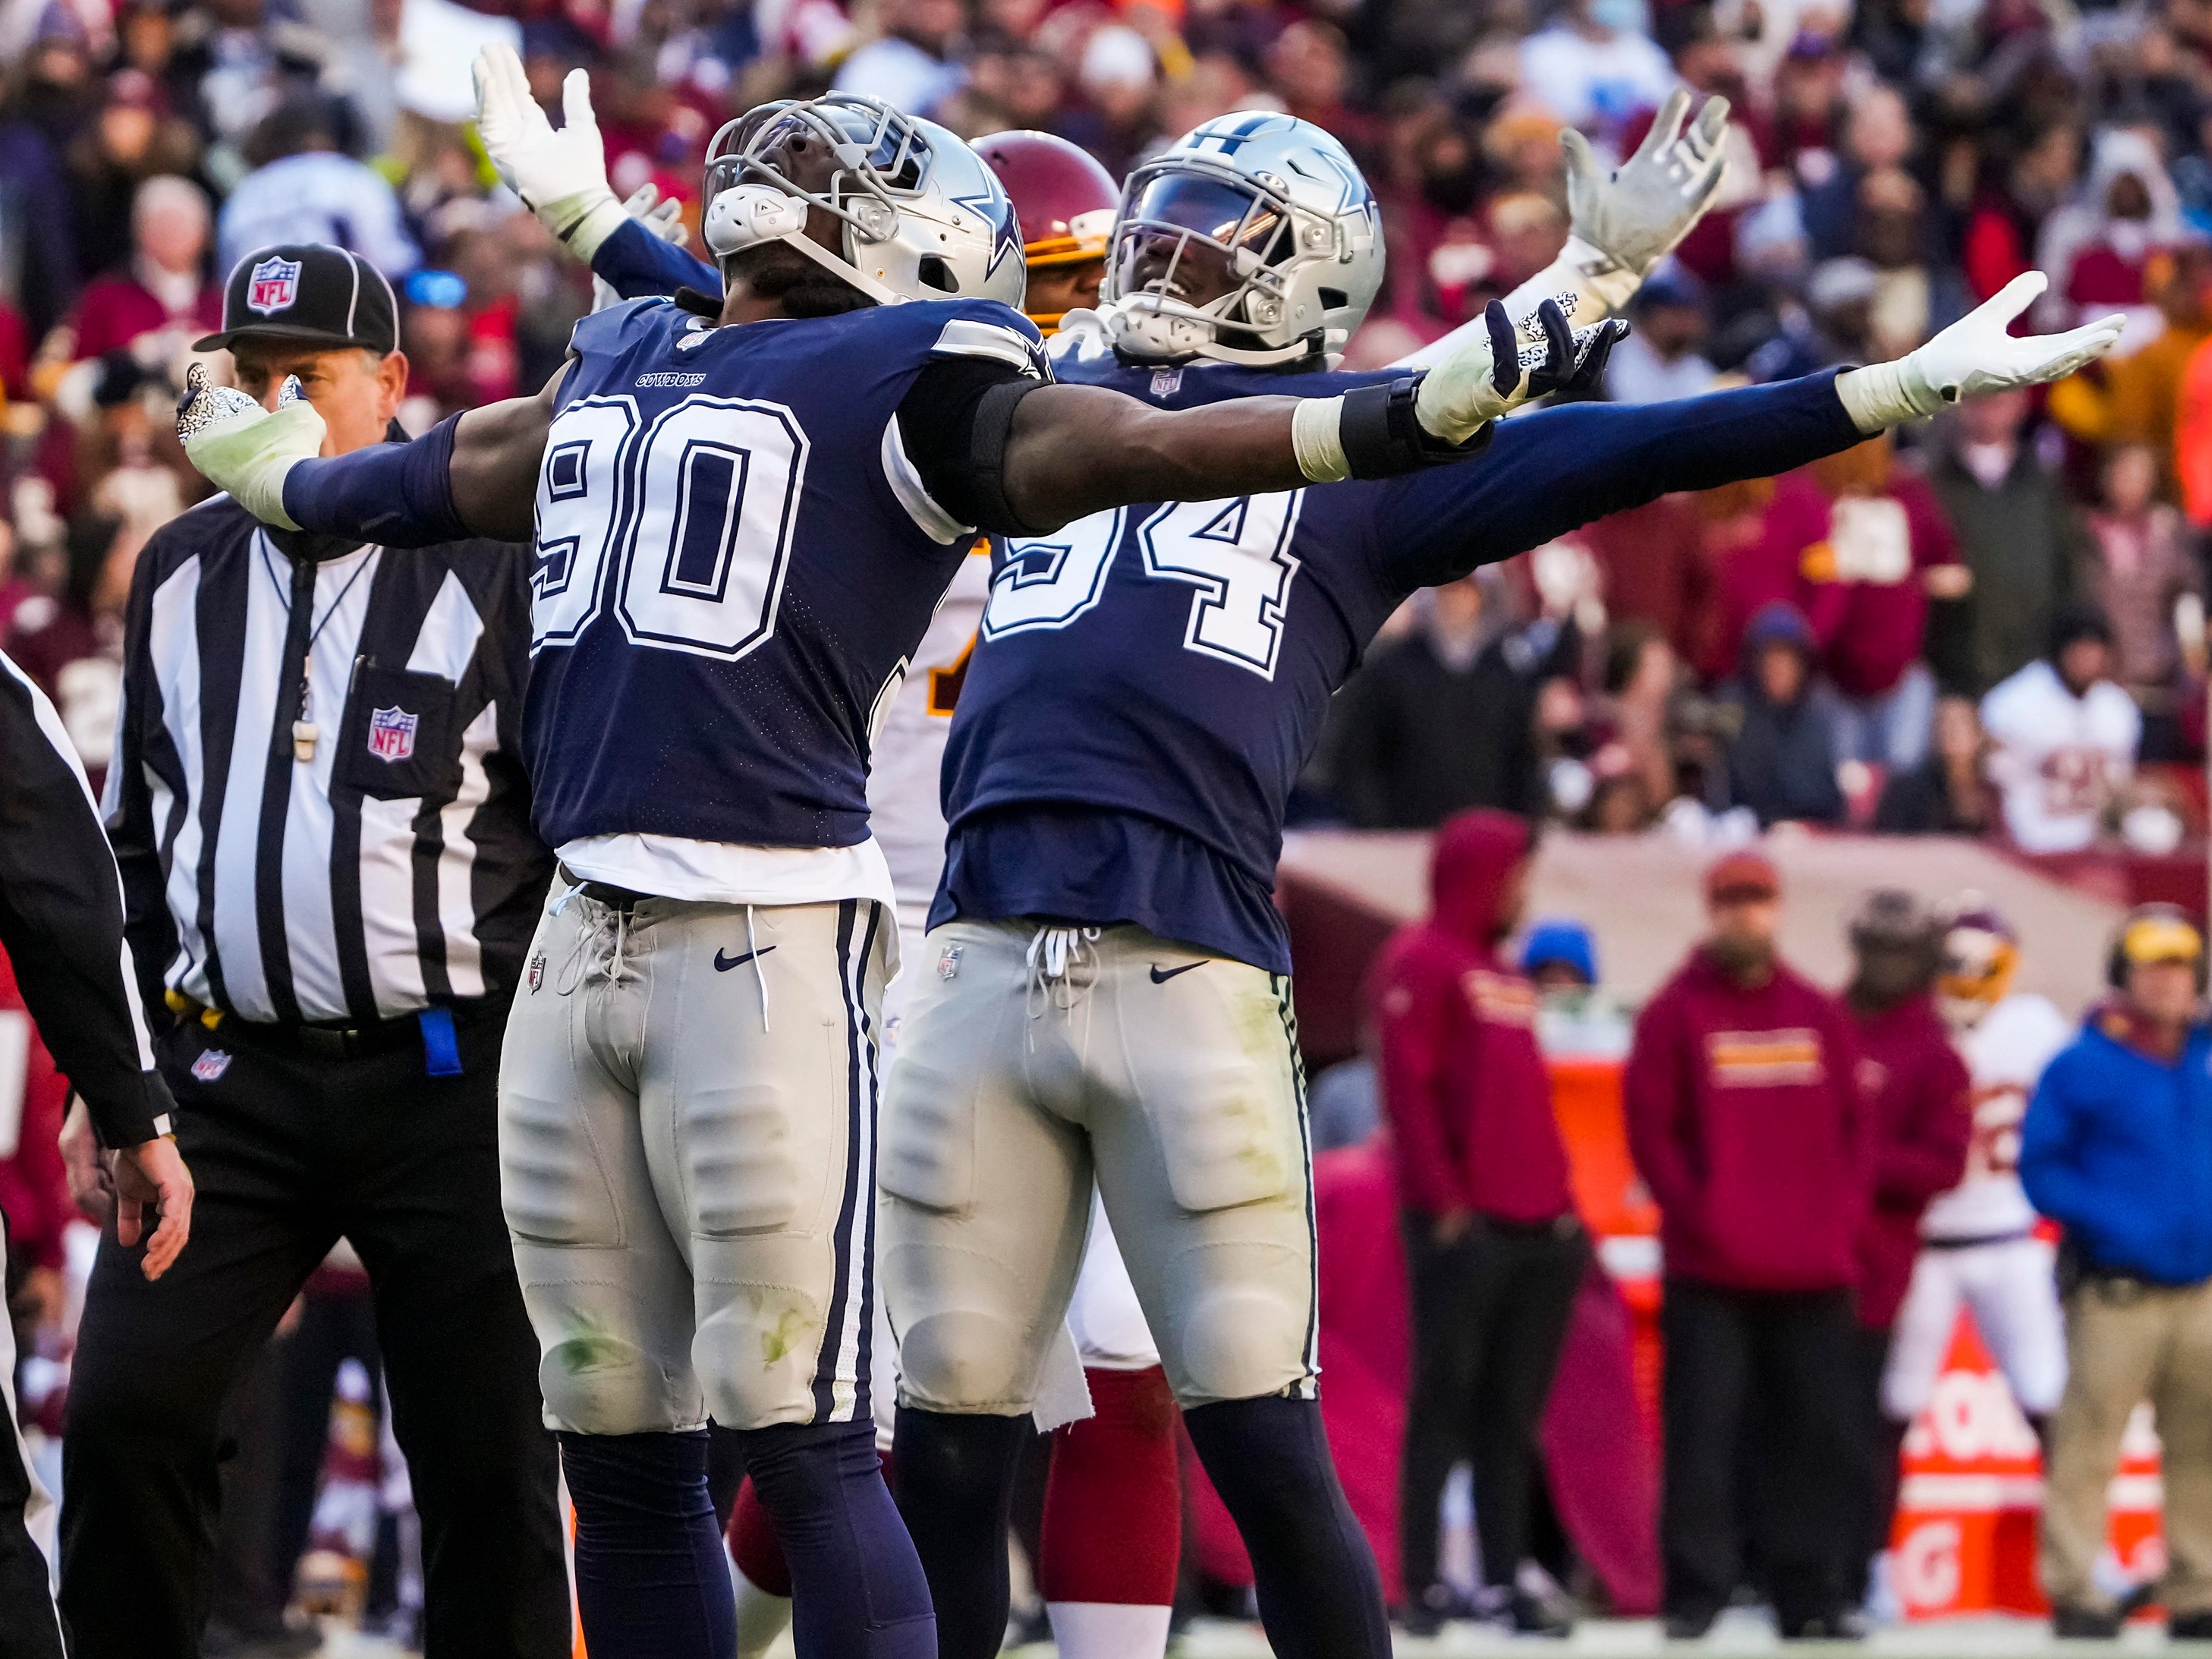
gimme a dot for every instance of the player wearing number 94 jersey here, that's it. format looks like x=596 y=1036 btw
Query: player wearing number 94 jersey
x=743 y=518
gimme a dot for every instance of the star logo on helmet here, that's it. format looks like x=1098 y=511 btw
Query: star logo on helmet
x=1351 y=189
x=998 y=213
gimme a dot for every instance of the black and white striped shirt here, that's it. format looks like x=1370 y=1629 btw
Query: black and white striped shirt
x=385 y=865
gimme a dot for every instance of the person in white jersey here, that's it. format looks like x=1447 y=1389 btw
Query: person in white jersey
x=1979 y=1250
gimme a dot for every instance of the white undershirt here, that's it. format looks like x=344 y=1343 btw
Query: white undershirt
x=725 y=872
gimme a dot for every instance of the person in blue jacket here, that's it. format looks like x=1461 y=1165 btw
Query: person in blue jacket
x=2116 y=1148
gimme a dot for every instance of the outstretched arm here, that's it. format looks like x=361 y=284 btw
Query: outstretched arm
x=1555 y=469
x=475 y=474
x=1049 y=454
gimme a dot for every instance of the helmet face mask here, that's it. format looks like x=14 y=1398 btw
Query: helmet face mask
x=1065 y=204
x=1253 y=240
x=1980 y=957
x=918 y=215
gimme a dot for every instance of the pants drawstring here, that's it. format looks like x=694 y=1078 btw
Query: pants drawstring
x=1054 y=956
x=602 y=946
x=760 y=968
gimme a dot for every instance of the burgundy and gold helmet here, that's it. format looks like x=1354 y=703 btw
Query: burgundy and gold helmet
x=1064 y=199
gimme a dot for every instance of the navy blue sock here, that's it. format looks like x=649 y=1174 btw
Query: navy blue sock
x=651 y=1579
x=1320 y=1595
x=857 y=1591
x=956 y=1482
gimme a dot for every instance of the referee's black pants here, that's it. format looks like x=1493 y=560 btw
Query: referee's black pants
x=289 y=1153
x=1490 y=1315
x=1770 y=1379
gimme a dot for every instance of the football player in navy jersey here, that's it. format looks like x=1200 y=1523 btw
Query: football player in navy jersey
x=744 y=513
x=1107 y=996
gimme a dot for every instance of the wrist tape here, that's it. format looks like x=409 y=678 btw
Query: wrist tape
x=1371 y=433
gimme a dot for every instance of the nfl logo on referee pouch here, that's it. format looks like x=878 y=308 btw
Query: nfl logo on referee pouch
x=391 y=734
x=274 y=286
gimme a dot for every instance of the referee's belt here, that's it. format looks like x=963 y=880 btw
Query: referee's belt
x=381 y=1037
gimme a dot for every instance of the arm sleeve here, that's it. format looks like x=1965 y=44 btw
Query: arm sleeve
x=61 y=919
x=1652 y=1093
x=638 y=265
x=1547 y=473
x=951 y=427
x=399 y=494
x=1412 y=1018
x=127 y=807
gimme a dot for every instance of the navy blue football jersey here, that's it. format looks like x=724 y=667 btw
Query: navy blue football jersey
x=1147 y=683
x=734 y=561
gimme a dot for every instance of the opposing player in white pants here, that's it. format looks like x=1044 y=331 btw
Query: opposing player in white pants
x=1979 y=1249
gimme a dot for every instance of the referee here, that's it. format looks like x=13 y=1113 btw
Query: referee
x=318 y=802
x=61 y=919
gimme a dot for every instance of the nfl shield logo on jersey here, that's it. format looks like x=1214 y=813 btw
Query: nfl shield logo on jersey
x=273 y=285
x=210 y=1065
x=948 y=963
x=536 y=974
x=392 y=734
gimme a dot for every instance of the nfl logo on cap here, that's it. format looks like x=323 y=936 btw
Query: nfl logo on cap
x=392 y=734
x=273 y=285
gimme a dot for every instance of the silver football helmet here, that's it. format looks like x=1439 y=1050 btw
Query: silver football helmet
x=923 y=218
x=1253 y=238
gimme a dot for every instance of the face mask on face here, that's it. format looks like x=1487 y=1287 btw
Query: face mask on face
x=1743 y=958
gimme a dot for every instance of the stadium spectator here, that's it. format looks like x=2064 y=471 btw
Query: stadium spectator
x=2142 y=574
x=1781 y=763
x=2064 y=737
x=1493 y=1246
x=1948 y=793
x=134 y=138
x=1443 y=718
x=2018 y=534
x=1915 y=1090
x=2139 y=398
x=1656 y=569
x=2116 y=1148
x=157 y=302
x=305 y=188
x=1870 y=549
x=909 y=66
x=1594 y=67
x=1747 y=1123
x=1662 y=359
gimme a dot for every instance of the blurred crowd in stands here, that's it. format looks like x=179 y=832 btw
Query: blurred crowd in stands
x=1994 y=624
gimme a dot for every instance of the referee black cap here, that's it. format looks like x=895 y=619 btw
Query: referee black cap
x=309 y=294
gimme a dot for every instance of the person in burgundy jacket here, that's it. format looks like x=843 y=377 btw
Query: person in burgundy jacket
x=1920 y=1098
x=1493 y=1247
x=1746 y=1121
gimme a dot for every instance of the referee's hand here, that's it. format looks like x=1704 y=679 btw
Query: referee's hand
x=152 y=1175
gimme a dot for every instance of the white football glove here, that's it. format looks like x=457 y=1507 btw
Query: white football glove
x=562 y=176
x=239 y=447
x=1973 y=356
x=1639 y=213
x=1620 y=224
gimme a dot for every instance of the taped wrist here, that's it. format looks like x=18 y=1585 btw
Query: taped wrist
x=1883 y=395
x=398 y=495
x=1383 y=437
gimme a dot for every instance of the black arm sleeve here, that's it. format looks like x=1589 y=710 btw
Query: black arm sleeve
x=61 y=919
x=953 y=423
